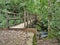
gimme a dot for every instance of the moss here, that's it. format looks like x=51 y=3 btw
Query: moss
x=34 y=40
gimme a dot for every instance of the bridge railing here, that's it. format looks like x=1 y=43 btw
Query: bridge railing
x=28 y=18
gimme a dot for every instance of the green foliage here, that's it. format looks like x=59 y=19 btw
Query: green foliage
x=15 y=6
x=34 y=40
x=39 y=7
x=55 y=21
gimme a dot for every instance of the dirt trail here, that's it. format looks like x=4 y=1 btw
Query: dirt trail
x=47 y=42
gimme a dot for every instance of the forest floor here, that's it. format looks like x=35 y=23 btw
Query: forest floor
x=41 y=41
x=47 y=42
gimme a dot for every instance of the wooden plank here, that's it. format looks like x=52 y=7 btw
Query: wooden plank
x=23 y=29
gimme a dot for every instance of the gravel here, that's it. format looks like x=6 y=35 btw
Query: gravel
x=12 y=37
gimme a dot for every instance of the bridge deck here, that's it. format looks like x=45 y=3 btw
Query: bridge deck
x=22 y=25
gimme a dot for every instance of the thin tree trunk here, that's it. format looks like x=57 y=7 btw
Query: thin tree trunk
x=49 y=16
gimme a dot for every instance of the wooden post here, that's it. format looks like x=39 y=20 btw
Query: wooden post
x=14 y=20
x=24 y=18
x=30 y=19
x=27 y=19
x=7 y=19
x=35 y=19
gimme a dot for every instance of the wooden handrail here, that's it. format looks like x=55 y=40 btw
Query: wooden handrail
x=11 y=13
x=8 y=12
x=15 y=18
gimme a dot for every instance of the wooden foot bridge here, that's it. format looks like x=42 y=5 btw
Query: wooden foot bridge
x=28 y=21
x=23 y=28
